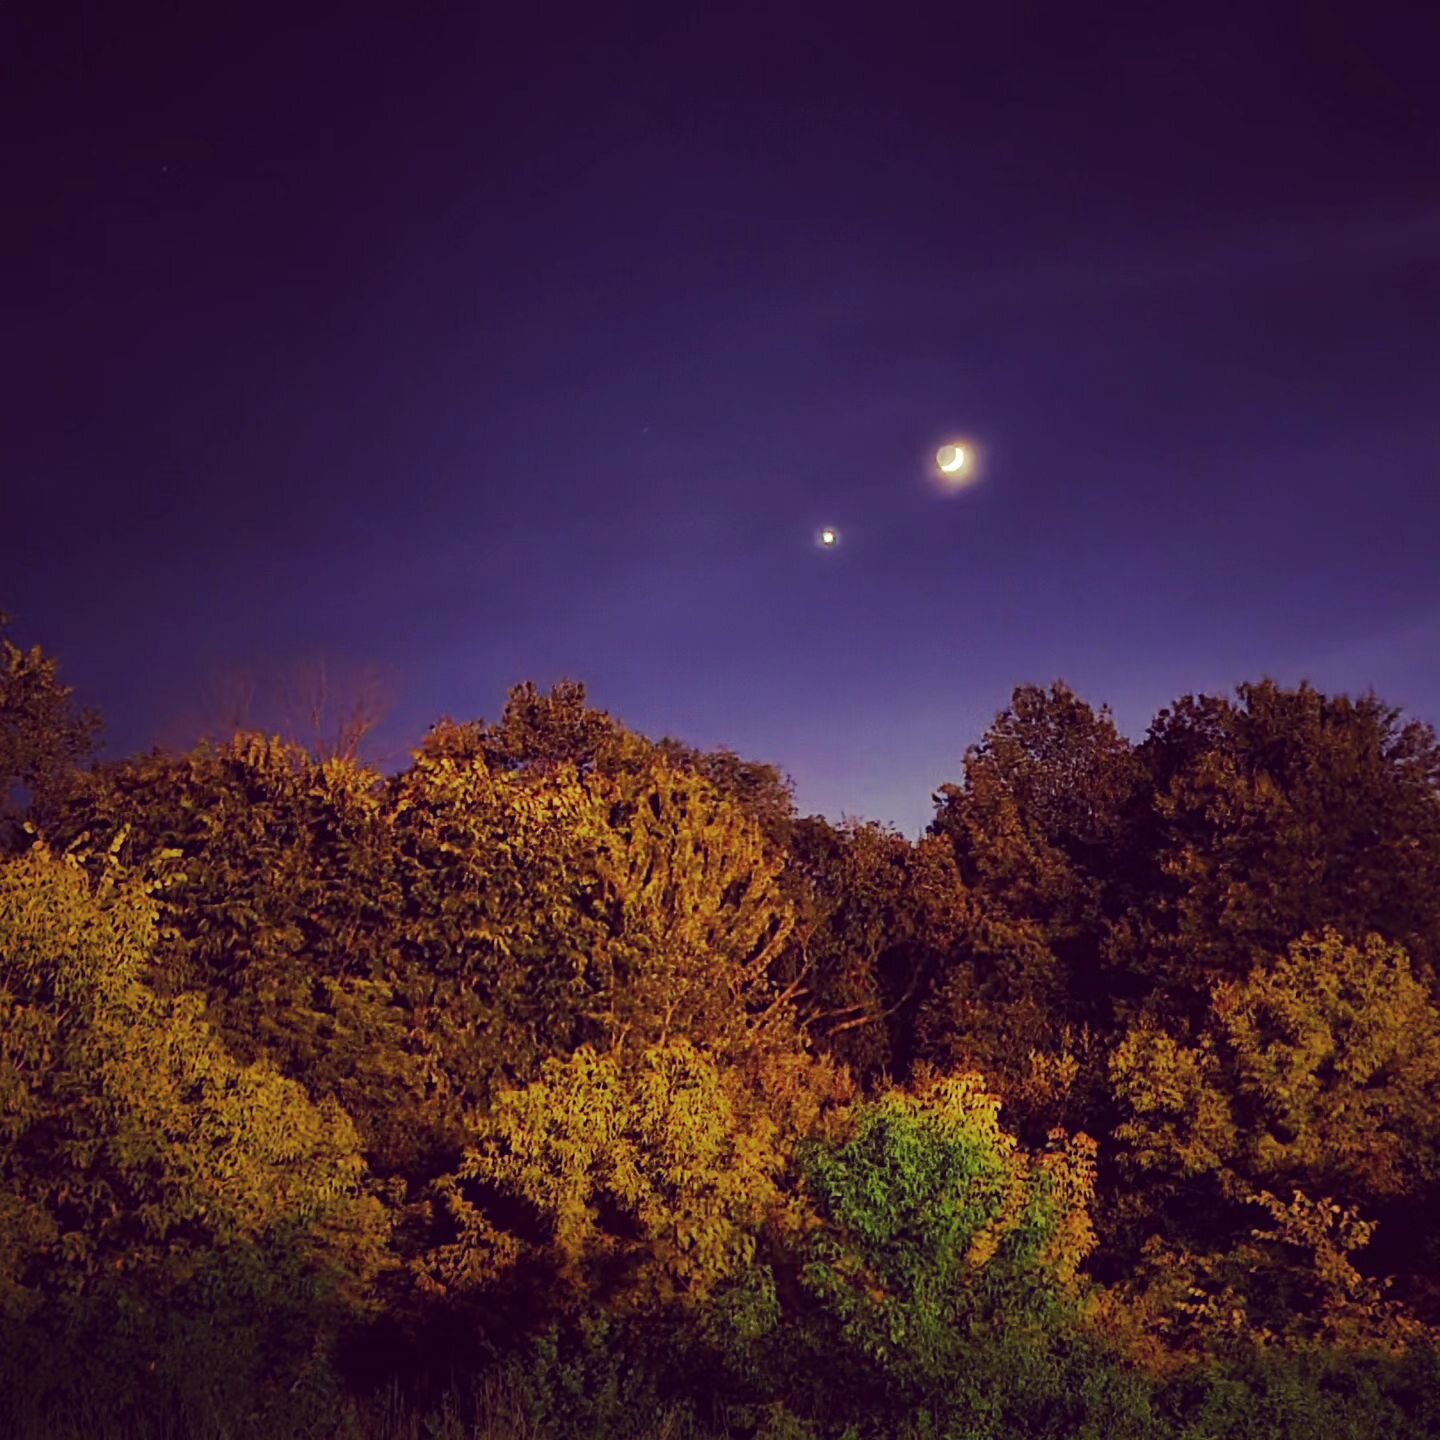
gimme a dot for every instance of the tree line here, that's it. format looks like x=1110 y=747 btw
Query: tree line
x=581 y=1061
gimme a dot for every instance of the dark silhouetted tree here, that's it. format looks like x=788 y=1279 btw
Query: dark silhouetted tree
x=1039 y=826
x=1281 y=812
x=877 y=919
x=44 y=735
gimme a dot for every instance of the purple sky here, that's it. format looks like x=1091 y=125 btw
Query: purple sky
x=488 y=349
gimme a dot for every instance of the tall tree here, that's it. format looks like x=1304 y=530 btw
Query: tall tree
x=1039 y=824
x=1280 y=812
x=1042 y=804
x=44 y=735
x=547 y=910
x=877 y=919
x=1040 y=831
x=280 y=908
x=540 y=730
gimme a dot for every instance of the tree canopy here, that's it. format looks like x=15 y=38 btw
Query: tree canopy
x=561 y=1046
x=44 y=735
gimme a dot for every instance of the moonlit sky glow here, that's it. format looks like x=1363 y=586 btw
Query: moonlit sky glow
x=304 y=313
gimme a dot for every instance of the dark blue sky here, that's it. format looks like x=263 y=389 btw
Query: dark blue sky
x=488 y=348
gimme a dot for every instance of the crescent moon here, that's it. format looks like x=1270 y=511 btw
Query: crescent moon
x=956 y=460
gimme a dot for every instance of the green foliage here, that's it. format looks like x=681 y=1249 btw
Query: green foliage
x=937 y=1225
x=597 y=1377
x=1310 y=1395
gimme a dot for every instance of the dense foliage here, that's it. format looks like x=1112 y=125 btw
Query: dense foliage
x=571 y=1080
x=43 y=734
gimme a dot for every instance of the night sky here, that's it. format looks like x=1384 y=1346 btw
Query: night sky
x=498 y=343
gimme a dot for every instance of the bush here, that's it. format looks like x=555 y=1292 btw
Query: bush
x=937 y=1226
